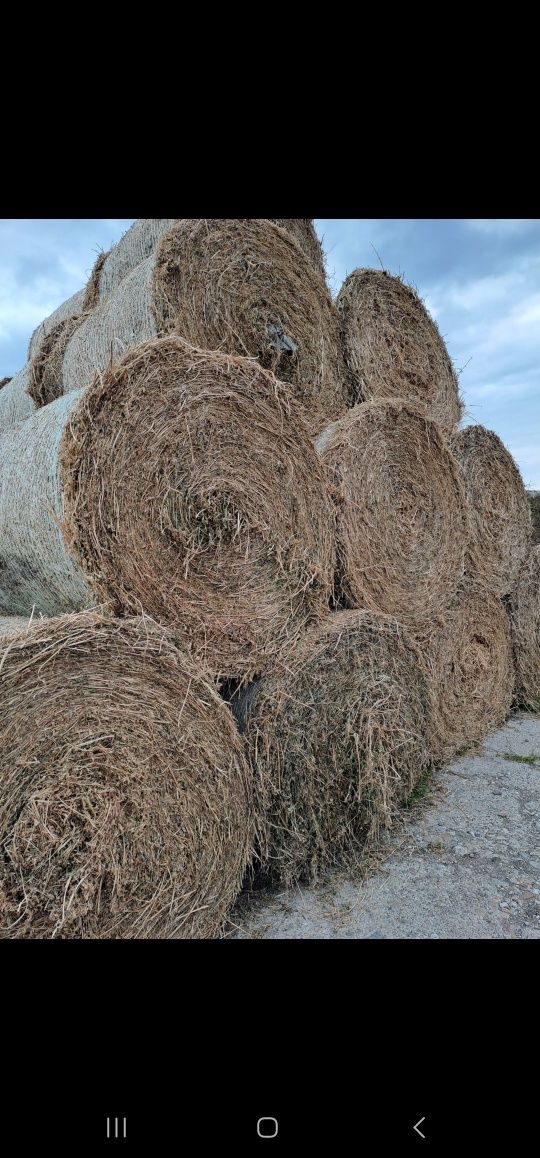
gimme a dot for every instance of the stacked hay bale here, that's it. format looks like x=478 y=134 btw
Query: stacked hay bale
x=184 y=483
x=280 y=482
x=125 y=802
x=242 y=286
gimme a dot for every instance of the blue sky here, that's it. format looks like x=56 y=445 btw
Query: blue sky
x=480 y=279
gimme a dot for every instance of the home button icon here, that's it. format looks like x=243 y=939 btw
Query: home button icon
x=267 y=1127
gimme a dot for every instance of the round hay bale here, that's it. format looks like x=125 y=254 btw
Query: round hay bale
x=470 y=655
x=122 y=321
x=525 y=623
x=91 y=293
x=246 y=287
x=534 y=504
x=4 y=382
x=183 y=482
x=337 y=738
x=46 y=368
x=393 y=347
x=402 y=522
x=15 y=400
x=125 y=798
x=303 y=229
x=70 y=308
x=501 y=532
x=35 y=567
x=138 y=243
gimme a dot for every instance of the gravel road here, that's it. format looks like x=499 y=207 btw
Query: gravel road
x=467 y=865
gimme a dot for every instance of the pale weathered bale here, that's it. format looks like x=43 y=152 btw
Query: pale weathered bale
x=303 y=229
x=35 y=567
x=70 y=308
x=501 y=530
x=15 y=401
x=401 y=510
x=470 y=658
x=188 y=486
x=337 y=738
x=125 y=797
x=138 y=243
x=4 y=382
x=525 y=622
x=122 y=321
x=393 y=347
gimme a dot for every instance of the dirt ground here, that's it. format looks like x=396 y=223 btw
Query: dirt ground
x=464 y=864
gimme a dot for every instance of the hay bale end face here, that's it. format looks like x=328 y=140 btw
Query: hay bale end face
x=91 y=293
x=46 y=369
x=472 y=670
x=4 y=382
x=183 y=483
x=525 y=622
x=125 y=798
x=402 y=520
x=192 y=488
x=337 y=738
x=393 y=347
x=247 y=288
x=501 y=532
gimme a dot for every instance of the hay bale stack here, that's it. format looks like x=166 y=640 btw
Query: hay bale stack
x=185 y=483
x=125 y=798
x=15 y=400
x=534 y=504
x=337 y=738
x=472 y=670
x=524 y=606
x=402 y=520
x=303 y=229
x=501 y=520
x=393 y=347
x=246 y=287
x=138 y=243
x=70 y=308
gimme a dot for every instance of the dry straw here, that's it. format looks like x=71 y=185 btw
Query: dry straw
x=188 y=486
x=303 y=230
x=525 y=621
x=242 y=286
x=246 y=287
x=337 y=740
x=472 y=670
x=393 y=347
x=501 y=519
x=46 y=366
x=4 y=382
x=15 y=401
x=125 y=805
x=402 y=521
x=70 y=308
